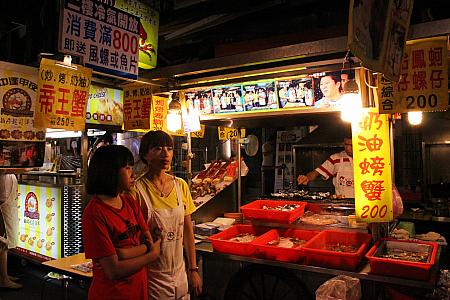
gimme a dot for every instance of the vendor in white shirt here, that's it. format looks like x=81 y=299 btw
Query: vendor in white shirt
x=338 y=166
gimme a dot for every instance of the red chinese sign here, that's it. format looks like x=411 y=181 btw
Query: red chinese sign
x=423 y=79
x=136 y=107
x=62 y=95
x=372 y=167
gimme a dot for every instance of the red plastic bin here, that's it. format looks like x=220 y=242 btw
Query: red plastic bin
x=283 y=254
x=220 y=241
x=401 y=268
x=316 y=254
x=254 y=210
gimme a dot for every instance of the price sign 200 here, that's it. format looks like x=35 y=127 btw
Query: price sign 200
x=374 y=211
x=421 y=101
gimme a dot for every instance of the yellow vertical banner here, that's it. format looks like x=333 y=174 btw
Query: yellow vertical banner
x=158 y=116
x=137 y=100
x=62 y=95
x=423 y=79
x=372 y=167
x=159 y=113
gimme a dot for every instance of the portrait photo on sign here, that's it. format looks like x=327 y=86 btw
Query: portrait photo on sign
x=328 y=90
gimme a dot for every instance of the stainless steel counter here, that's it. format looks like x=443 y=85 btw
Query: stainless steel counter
x=363 y=273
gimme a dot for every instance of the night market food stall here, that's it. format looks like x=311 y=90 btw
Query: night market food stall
x=233 y=266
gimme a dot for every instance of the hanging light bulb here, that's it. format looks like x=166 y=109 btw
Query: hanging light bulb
x=415 y=117
x=174 y=120
x=351 y=107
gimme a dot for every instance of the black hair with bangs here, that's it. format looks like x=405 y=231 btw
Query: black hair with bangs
x=103 y=172
x=152 y=139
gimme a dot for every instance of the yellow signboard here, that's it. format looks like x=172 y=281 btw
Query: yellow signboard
x=136 y=107
x=199 y=134
x=226 y=133
x=423 y=79
x=158 y=115
x=18 y=88
x=40 y=228
x=148 y=30
x=62 y=95
x=372 y=167
x=105 y=106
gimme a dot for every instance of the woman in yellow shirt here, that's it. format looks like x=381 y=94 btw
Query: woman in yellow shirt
x=167 y=205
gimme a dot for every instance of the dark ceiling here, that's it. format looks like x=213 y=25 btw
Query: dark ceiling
x=192 y=30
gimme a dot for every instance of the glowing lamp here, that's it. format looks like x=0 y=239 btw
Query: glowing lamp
x=350 y=102
x=174 y=120
x=415 y=117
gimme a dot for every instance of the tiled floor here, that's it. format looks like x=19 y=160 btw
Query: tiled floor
x=32 y=277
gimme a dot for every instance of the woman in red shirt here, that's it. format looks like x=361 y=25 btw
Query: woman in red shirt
x=111 y=221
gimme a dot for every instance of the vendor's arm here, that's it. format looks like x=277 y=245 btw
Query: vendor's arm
x=189 y=245
x=305 y=179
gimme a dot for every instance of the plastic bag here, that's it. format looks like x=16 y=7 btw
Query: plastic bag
x=397 y=202
x=339 y=288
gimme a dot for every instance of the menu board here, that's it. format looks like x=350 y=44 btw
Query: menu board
x=40 y=221
x=105 y=106
x=260 y=95
x=295 y=92
x=18 y=89
x=423 y=82
x=307 y=91
x=136 y=107
x=62 y=95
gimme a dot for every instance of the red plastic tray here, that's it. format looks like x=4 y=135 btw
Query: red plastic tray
x=254 y=210
x=221 y=243
x=283 y=254
x=401 y=268
x=316 y=254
